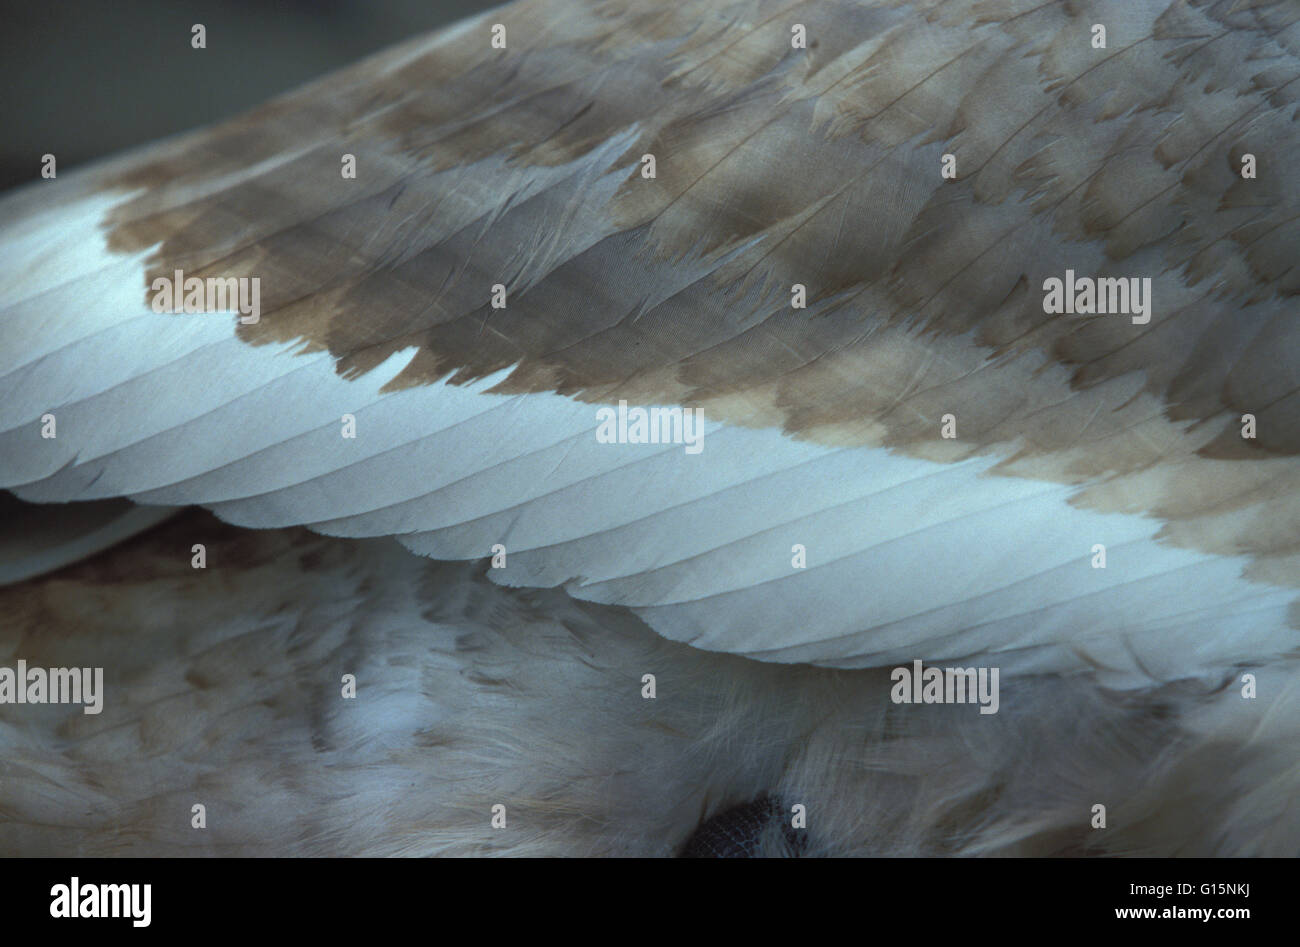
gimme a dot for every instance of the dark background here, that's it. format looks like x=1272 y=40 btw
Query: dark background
x=85 y=78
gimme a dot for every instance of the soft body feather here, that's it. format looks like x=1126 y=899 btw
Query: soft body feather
x=470 y=696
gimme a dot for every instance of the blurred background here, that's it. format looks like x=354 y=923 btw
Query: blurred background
x=84 y=78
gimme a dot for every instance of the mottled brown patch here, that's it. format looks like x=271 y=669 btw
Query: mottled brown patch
x=821 y=167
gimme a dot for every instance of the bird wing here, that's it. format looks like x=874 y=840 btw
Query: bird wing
x=559 y=207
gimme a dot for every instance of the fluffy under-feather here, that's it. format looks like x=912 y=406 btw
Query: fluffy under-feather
x=224 y=689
